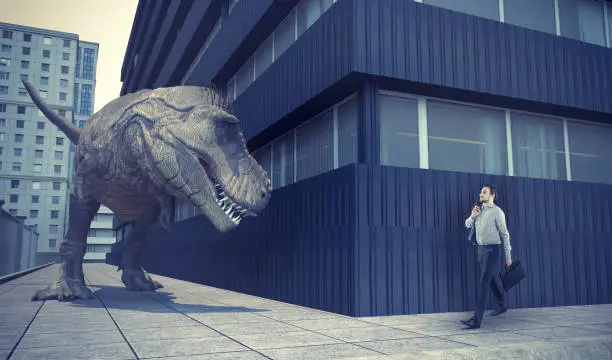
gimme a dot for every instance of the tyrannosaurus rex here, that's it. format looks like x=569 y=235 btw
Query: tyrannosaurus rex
x=136 y=154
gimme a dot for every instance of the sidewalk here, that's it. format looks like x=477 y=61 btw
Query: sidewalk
x=189 y=321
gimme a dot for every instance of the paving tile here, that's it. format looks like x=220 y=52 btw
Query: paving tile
x=111 y=351
x=291 y=315
x=8 y=340
x=229 y=318
x=607 y=327
x=404 y=346
x=327 y=352
x=254 y=328
x=569 y=319
x=491 y=338
x=46 y=325
x=446 y=316
x=242 y=355
x=181 y=347
x=397 y=320
x=14 y=328
x=289 y=339
x=83 y=337
x=331 y=323
x=144 y=323
x=488 y=325
x=164 y=333
x=564 y=332
x=370 y=333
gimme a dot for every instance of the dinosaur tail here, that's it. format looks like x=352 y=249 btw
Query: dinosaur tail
x=66 y=127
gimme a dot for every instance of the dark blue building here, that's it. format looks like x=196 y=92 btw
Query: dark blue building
x=379 y=121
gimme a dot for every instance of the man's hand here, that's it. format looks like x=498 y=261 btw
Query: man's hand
x=475 y=212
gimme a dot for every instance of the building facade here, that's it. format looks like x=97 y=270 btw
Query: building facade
x=33 y=152
x=36 y=159
x=379 y=121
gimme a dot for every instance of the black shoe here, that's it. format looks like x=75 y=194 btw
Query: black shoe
x=471 y=323
x=499 y=311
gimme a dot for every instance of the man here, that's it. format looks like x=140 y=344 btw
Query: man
x=491 y=233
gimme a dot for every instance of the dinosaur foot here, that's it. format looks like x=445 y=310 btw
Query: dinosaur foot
x=138 y=280
x=64 y=290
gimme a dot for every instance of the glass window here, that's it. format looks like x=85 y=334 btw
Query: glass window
x=484 y=8
x=467 y=138
x=284 y=35
x=309 y=11
x=583 y=20
x=590 y=152
x=231 y=89
x=244 y=77
x=282 y=158
x=264 y=158
x=538 y=148
x=263 y=56
x=314 y=146
x=610 y=23
x=347 y=132
x=537 y=15
x=399 y=134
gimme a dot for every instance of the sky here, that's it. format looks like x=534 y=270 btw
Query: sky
x=106 y=22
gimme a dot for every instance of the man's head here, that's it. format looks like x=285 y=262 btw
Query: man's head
x=487 y=194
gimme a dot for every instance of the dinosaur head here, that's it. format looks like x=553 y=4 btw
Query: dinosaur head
x=202 y=156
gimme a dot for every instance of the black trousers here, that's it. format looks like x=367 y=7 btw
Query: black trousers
x=489 y=257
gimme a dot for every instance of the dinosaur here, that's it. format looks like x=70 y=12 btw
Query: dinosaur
x=139 y=152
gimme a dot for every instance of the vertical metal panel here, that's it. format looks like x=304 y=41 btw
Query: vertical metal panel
x=465 y=52
x=368 y=240
x=299 y=250
x=555 y=230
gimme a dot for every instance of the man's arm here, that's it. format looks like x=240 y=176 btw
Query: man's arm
x=469 y=222
x=500 y=221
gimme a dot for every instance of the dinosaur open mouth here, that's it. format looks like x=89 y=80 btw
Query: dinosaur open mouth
x=233 y=211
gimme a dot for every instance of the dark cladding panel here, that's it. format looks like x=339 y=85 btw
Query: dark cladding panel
x=429 y=44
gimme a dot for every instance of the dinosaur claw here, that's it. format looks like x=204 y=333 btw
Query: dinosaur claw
x=138 y=280
x=63 y=290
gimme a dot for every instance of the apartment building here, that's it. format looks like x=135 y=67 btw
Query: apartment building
x=36 y=159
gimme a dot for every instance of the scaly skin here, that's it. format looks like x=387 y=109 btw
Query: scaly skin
x=135 y=155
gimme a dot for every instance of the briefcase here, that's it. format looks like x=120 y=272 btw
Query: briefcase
x=511 y=275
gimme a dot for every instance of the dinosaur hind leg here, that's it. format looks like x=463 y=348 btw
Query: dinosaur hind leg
x=134 y=277
x=71 y=282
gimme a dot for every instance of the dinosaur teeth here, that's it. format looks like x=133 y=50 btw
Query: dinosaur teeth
x=234 y=211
